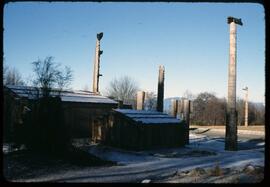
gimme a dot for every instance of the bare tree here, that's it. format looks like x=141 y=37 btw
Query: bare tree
x=48 y=75
x=5 y=68
x=12 y=76
x=123 y=88
x=256 y=114
x=46 y=116
x=209 y=110
x=240 y=111
x=188 y=95
x=151 y=101
x=63 y=78
x=86 y=88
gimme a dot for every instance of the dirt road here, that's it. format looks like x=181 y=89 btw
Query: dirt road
x=203 y=151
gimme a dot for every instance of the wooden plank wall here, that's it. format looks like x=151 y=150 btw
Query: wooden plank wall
x=128 y=134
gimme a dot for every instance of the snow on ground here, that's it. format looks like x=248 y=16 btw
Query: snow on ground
x=122 y=157
x=203 y=152
x=200 y=143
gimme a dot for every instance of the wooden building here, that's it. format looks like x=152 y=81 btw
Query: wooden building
x=92 y=116
x=139 y=130
x=86 y=114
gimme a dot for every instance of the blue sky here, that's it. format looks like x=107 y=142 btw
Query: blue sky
x=190 y=39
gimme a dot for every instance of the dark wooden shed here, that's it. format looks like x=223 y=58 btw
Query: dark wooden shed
x=86 y=113
x=140 y=130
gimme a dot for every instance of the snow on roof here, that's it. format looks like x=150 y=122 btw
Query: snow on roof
x=143 y=112
x=66 y=95
x=157 y=120
x=149 y=117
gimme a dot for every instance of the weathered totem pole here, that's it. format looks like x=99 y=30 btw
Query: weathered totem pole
x=231 y=116
x=174 y=107
x=186 y=110
x=140 y=100
x=160 y=96
x=96 y=73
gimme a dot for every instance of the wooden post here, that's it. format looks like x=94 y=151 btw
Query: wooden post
x=96 y=74
x=191 y=106
x=93 y=138
x=140 y=100
x=231 y=117
x=180 y=108
x=120 y=104
x=186 y=104
x=246 y=106
x=160 y=97
x=174 y=107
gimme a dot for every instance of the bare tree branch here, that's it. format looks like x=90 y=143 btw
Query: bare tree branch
x=49 y=75
x=150 y=101
x=123 y=88
x=12 y=76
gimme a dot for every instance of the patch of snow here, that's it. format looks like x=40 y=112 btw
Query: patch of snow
x=149 y=117
x=131 y=111
x=260 y=144
x=66 y=95
x=165 y=121
x=146 y=181
x=91 y=99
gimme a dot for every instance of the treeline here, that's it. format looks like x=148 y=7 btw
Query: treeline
x=207 y=108
x=211 y=110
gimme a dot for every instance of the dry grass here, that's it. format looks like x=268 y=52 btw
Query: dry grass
x=216 y=174
x=216 y=171
x=197 y=172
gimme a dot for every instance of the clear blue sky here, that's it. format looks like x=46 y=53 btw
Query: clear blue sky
x=190 y=39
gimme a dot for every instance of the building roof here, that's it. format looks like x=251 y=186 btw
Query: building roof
x=149 y=117
x=66 y=95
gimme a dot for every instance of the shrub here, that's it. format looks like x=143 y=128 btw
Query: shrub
x=216 y=171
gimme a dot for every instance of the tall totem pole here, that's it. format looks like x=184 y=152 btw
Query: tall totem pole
x=231 y=116
x=160 y=96
x=96 y=74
